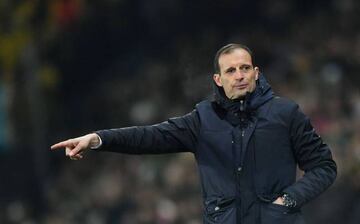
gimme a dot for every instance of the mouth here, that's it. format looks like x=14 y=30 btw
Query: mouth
x=240 y=86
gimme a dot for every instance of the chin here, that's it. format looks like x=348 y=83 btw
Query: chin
x=238 y=96
x=242 y=94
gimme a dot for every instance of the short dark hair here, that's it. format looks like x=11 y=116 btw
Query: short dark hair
x=227 y=49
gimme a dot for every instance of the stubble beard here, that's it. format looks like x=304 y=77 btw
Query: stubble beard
x=240 y=94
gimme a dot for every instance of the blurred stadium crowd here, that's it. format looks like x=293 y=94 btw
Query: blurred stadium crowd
x=68 y=67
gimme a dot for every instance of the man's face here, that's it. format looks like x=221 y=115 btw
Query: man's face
x=237 y=74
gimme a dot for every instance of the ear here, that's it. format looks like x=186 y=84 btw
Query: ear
x=257 y=71
x=217 y=80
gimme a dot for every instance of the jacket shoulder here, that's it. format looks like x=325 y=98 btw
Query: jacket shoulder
x=279 y=100
x=203 y=104
x=281 y=109
x=284 y=104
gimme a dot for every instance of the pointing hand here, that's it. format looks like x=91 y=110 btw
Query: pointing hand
x=75 y=147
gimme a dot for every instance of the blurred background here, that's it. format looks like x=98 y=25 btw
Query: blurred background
x=69 y=67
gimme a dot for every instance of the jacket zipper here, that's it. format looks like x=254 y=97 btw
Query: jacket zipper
x=240 y=167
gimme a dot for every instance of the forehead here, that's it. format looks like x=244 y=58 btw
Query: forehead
x=235 y=58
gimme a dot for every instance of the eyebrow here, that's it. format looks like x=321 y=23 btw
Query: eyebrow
x=245 y=65
x=232 y=67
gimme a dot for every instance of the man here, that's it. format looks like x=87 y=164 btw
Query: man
x=247 y=144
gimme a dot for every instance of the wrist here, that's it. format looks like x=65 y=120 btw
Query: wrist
x=288 y=201
x=95 y=141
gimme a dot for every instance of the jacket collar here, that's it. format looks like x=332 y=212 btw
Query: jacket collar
x=249 y=104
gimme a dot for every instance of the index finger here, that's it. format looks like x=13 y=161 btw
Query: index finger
x=62 y=144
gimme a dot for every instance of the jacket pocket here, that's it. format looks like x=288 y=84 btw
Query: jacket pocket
x=220 y=210
x=273 y=213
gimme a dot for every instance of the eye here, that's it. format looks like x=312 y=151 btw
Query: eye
x=230 y=70
x=246 y=68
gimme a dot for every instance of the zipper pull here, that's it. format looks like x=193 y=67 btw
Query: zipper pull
x=242 y=133
x=242 y=109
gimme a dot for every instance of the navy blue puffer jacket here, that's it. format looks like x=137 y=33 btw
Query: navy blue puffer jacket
x=247 y=154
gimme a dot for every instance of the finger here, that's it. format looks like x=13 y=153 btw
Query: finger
x=63 y=144
x=76 y=150
x=67 y=151
x=77 y=157
x=73 y=158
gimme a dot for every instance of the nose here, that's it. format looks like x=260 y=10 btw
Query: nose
x=239 y=74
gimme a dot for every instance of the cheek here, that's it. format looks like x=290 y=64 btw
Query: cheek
x=252 y=78
x=225 y=82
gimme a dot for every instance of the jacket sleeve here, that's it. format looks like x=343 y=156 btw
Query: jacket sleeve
x=177 y=134
x=314 y=158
